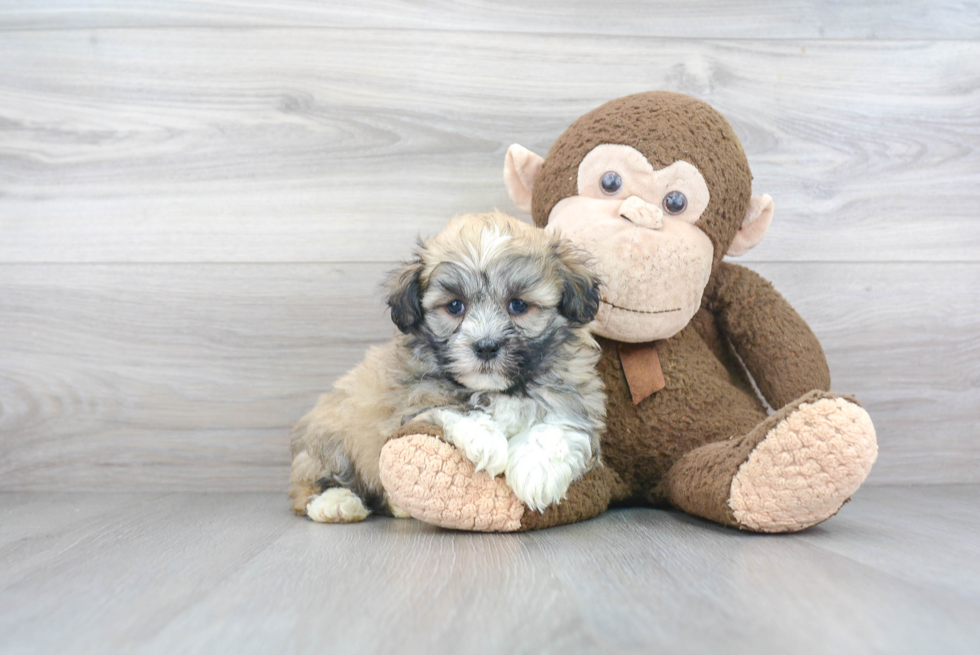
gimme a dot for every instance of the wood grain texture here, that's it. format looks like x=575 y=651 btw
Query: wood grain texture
x=755 y=19
x=896 y=571
x=198 y=201
x=175 y=374
x=189 y=376
x=208 y=145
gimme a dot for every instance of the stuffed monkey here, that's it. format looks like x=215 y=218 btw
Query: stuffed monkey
x=656 y=187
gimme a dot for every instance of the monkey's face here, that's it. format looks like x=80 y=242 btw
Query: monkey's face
x=629 y=183
x=640 y=224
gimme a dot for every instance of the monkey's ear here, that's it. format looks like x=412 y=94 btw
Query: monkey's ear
x=757 y=220
x=405 y=296
x=521 y=168
x=580 y=295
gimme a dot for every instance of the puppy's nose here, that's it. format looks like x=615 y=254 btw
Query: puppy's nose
x=486 y=349
x=638 y=211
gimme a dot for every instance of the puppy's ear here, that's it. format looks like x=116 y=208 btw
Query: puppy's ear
x=580 y=296
x=405 y=296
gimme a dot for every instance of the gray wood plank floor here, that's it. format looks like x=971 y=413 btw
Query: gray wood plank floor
x=897 y=571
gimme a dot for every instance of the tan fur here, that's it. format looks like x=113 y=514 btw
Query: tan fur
x=340 y=439
x=300 y=493
x=303 y=476
x=365 y=406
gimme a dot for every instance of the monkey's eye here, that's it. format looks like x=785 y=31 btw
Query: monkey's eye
x=675 y=202
x=455 y=308
x=611 y=182
x=517 y=306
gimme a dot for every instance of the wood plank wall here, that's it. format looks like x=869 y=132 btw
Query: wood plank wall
x=199 y=200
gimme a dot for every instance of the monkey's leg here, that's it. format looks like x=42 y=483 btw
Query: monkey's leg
x=435 y=483
x=794 y=470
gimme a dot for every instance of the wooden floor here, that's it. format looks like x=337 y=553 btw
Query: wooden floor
x=897 y=571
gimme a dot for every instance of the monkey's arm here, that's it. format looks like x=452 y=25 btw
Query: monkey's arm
x=775 y=343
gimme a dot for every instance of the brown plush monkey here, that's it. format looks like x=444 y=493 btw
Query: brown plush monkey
x=657 y=188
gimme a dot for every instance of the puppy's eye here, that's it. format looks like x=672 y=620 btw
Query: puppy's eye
x=675 y=202
x=611 y=182
x=517 y=306
x=455 y=308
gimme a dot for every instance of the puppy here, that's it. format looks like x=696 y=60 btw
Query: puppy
x=493 y=350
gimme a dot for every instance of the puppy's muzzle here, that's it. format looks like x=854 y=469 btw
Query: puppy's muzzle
x=486 y=349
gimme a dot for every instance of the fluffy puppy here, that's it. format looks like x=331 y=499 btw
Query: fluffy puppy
x=493 y=350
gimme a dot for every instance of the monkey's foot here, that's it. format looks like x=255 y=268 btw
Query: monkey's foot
x=435 y=483
x=794 y=470
x=806 y=468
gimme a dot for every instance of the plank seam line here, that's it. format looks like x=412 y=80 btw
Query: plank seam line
x=463 y=31
x=761 y=262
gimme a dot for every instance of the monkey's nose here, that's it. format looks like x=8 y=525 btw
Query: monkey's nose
x=486 y=349
x=641 y=213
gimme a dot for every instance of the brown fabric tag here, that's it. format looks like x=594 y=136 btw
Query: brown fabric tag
x=641 y=364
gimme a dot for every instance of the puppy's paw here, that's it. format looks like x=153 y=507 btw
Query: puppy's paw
x=481 y=441
x=541 y=466
x=337 y=505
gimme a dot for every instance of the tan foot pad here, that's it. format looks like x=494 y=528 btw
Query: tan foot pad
x=434 y=483
x=805 y=468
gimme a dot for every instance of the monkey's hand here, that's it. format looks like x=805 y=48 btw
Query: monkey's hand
x=543 y=462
